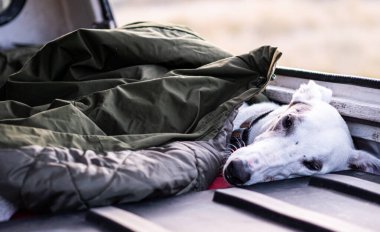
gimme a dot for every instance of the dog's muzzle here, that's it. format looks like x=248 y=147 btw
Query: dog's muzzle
x=236 y=172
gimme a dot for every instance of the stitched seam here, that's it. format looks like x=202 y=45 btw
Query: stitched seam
x=197 y=178
x=22 y=200
x=111 y=180
x=74 y=184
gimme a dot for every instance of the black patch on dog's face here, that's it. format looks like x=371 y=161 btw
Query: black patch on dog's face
x=287 y=122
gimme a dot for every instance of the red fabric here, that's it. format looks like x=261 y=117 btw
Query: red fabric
x=22 y=214
x=219 y=183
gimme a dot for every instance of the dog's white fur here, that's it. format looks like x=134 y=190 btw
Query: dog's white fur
x=306 y=137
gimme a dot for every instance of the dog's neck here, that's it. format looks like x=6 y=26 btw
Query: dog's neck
x=261 y=125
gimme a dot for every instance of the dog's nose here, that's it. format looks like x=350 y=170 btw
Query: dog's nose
x=236 y=172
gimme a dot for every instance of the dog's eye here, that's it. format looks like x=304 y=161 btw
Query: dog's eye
x=314 y=165
x=287 y=122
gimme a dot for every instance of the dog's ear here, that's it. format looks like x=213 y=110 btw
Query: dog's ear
x=363 y=161
x=310 y=92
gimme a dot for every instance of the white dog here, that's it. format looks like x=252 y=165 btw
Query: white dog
x=306 y=137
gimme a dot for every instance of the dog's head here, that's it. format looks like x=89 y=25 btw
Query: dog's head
x=306 y=137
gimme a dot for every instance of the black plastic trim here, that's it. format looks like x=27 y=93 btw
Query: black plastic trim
x=353 y=186
x=329 y=77
x=107 y=14
x=12 y=11
x=281 y=212
x=362 y=175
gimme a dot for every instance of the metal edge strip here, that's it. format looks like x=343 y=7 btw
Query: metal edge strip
x=329 y=77
x=353 y=186
x=121 y=220
x=282 y=212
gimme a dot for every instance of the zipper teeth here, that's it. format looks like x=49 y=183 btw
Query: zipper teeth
x=329 y=77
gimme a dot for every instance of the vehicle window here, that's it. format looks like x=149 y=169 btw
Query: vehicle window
x=4 y=4
x=9 y=9
x=339 y=36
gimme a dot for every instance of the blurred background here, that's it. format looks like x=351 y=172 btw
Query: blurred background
x=338 y=36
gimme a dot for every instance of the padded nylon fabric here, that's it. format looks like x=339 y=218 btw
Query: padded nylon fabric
x=101 y=117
